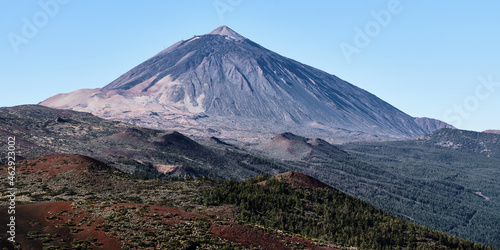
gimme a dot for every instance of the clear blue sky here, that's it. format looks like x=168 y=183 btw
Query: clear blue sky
x=424 y=57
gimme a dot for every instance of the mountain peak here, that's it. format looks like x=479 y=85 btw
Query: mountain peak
x=223 y=30
x=221 y=78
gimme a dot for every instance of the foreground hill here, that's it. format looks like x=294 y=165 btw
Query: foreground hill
x=222 y=84
x=77 y=202
x=299 y=180
x=296 y=203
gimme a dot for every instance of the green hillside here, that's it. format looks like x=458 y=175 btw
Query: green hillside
x=326 y=214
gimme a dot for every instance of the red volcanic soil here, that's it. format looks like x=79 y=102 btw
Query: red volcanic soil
x=230 y=231
x=37 y=218
x=299 y=180
x=249 y=236
x=160 y=210
x=52 y=218
x=52 y=165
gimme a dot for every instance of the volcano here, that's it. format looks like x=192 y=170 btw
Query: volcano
x=223 y=84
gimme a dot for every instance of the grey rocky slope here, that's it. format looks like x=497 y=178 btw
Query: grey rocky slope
x=430 y=125
x=225 y=85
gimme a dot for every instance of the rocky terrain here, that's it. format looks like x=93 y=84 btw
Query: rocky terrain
x=430 y=125
x=144 y=152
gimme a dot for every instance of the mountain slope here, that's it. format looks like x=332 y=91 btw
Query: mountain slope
x=42 y=131
x=222 y=78
x=492 y=131
x=430 y=125
x=321 y=212
x=485 y=143
x=448 y=180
